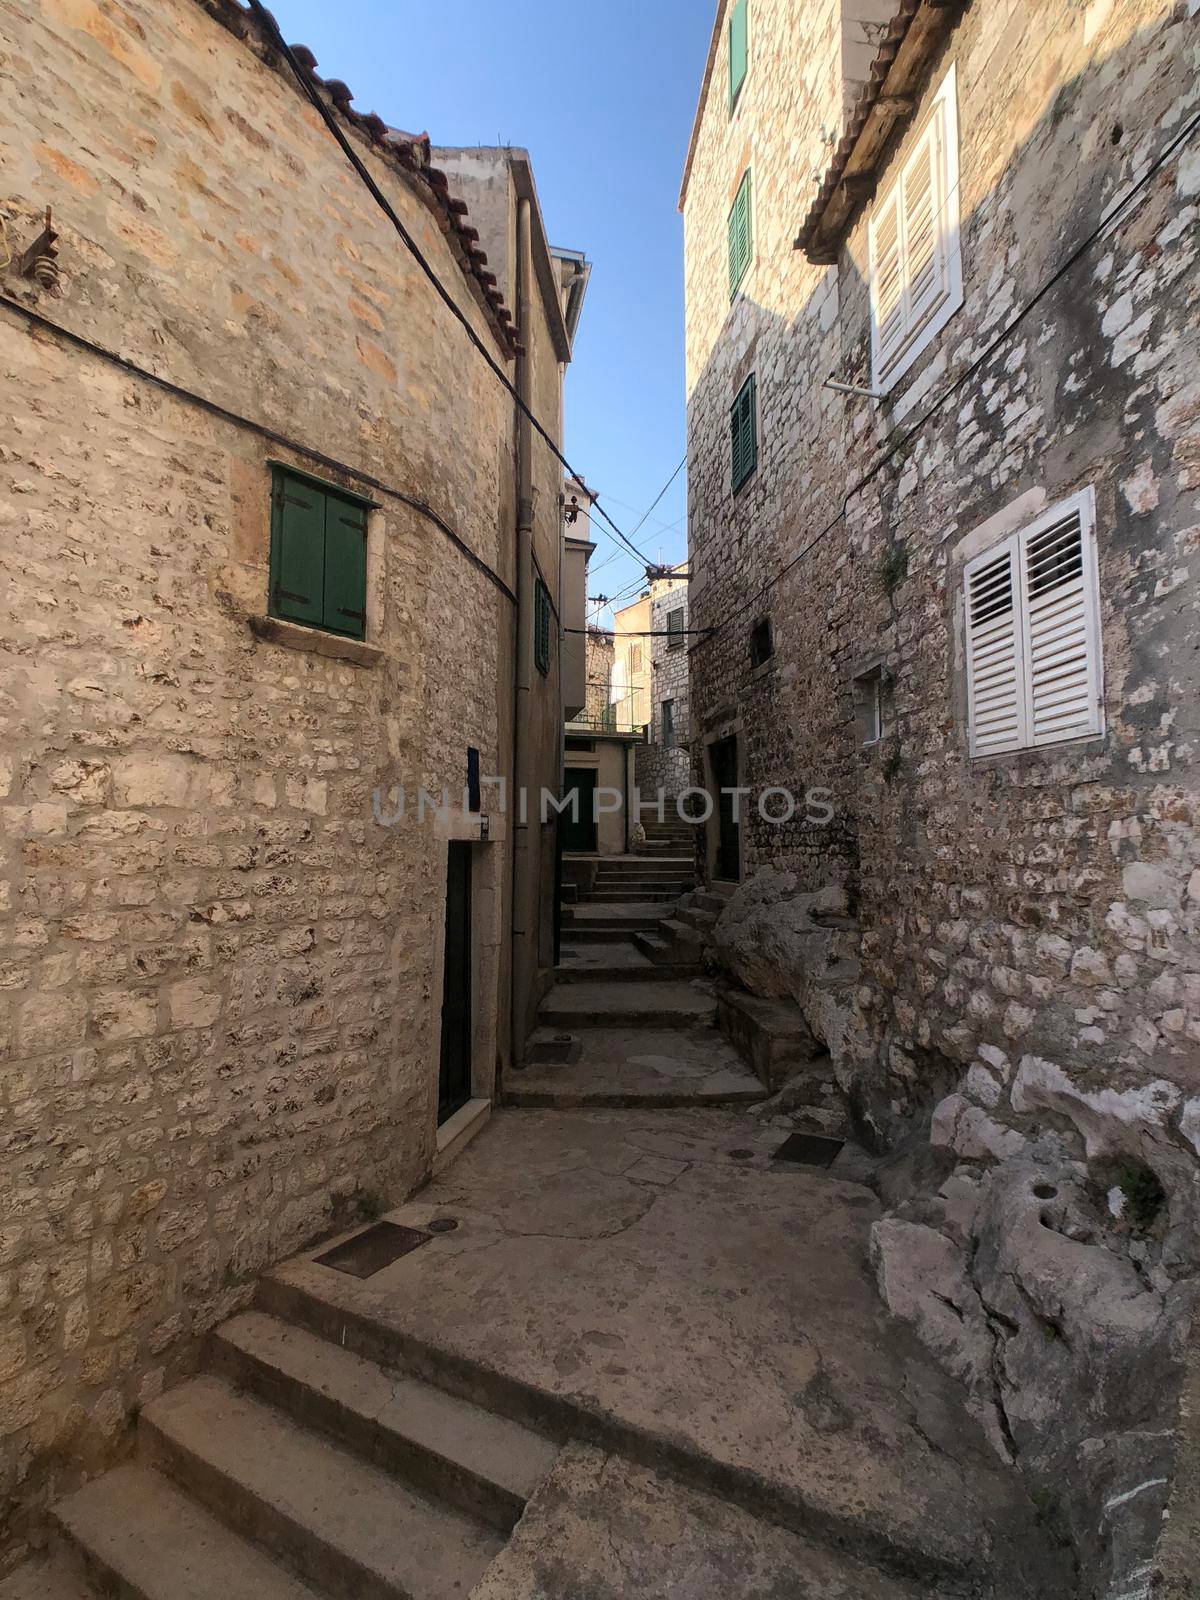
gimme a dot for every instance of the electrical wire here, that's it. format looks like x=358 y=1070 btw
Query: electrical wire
x=902 y=443
x=264 y=431
x=660 y=493
x=271 y=28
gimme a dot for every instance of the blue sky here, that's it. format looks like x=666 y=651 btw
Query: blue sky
x=602 y=95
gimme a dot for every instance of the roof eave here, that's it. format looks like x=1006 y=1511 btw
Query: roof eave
x=702 y=101
x=889 y=98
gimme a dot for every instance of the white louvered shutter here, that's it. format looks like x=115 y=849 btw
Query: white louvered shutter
x=887 y=283
x=996 y=700
x=916 y=270
x=1059 y=577
x=924 y=271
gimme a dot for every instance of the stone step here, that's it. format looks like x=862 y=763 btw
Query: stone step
x=482 y=1464
x=141 y=1538
x=696 y=917
x=349 y=1528
x=58 y=1578
x=707 y=901
x=630 y=1005
x=681 y=934
x=632 y=897
x=655 y=972
x=605 y=933
x=623 y=920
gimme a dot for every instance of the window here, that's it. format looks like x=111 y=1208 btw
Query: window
x=541 y=627
x=762 y=645
x=1034 y=666
x=318 y=555
x=869 y=706
x=916 y=272
x=668 y=724
x=737 y=50
x=675 y=629
x=743 y=430
x=635 y=658
x=741 y=235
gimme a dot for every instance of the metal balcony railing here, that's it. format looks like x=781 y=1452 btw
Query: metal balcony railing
x=607 y=722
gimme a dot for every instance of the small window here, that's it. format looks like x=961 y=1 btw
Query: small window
x=668 y=724
x=741 y=235
x=762 y=645
x=675 y=630
x=541 y=627
x=1034 y=662
x=743 y=429
x=738 y=56
x=870 y=712
x=318 y=555
x=581 y=744
x=915 y=267
x=635 y=658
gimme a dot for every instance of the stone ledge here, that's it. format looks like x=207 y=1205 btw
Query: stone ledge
x=294 y=636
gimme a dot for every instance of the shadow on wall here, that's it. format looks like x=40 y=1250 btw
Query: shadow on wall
x=1026 y=934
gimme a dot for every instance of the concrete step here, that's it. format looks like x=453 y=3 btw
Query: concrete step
x=629 y=1005
x=140 y=1538
x=59 y=1578
x=349 y=1528
x=483 y=1465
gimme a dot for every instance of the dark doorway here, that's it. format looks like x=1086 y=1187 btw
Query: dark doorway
x=454 y=1084
x=578 y=824
x=725 y=776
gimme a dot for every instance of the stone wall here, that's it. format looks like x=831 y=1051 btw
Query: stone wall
x=220 y=981
x=1027 y=925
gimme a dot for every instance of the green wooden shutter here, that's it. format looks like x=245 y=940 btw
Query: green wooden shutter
x=345 y=608
x=740 y=235
x=737 y=50
x=541 y=627
x=743 y=430
x=297 y=550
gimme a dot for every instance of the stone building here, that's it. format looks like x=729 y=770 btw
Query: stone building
x=275 y=544
x=943 y=435
x=664 y=762
x=631 y=663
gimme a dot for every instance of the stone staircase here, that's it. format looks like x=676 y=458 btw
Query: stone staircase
x=294 y=1469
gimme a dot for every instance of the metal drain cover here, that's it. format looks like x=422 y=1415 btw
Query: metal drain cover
x=373 y=1249
x=809 y=1149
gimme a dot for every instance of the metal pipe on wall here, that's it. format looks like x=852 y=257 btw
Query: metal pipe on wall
x=524 y=928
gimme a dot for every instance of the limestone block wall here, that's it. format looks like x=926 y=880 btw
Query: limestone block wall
x=1048 y=895
x=1020 y=1014
x=220 y=977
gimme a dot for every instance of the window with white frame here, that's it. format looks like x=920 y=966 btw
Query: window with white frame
x=916 y=271
x=1034 y=663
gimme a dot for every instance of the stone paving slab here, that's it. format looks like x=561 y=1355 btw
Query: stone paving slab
x=644 y=1067
x=616 y=954
x=601 y=1528
x=671 y=1293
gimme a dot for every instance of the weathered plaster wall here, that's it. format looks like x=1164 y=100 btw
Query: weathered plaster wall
x=659 y=767
x=219 y=989
x=1027 y=925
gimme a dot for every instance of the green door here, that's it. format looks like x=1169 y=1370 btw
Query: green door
x=578 y=822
